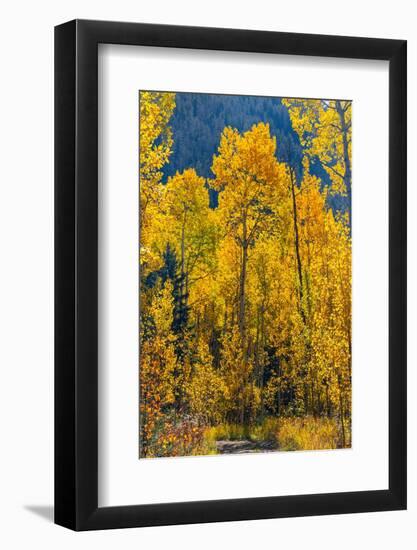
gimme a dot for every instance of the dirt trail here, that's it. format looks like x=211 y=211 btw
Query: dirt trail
x=244 y=446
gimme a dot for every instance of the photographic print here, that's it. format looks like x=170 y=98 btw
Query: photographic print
x=244 y=274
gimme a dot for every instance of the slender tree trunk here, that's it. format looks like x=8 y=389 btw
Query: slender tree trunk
x=313 y=407
x=257 y=346
x=297 y=243
x=328 y=399
x=262 y=364
x=242 y=309
x=242 y=281
x=278 y=398
x=183 y=256
x=347 y=178
x=181 y=319
x=342 y=413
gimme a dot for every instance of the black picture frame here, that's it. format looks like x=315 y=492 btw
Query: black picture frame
x=76 y=272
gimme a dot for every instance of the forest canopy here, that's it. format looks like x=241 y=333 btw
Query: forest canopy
x=245 y=274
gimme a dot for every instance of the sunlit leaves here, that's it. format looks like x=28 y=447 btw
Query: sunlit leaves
x=324 y=128
x=155 y=145
x=245 y=308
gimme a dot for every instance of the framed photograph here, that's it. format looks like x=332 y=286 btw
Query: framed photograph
x=230 y=253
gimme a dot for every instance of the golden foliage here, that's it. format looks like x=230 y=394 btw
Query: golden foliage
x=325 y=131
x=245 y=321
x=155 y=110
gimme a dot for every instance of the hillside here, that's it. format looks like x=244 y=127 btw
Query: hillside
x=199 y=119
